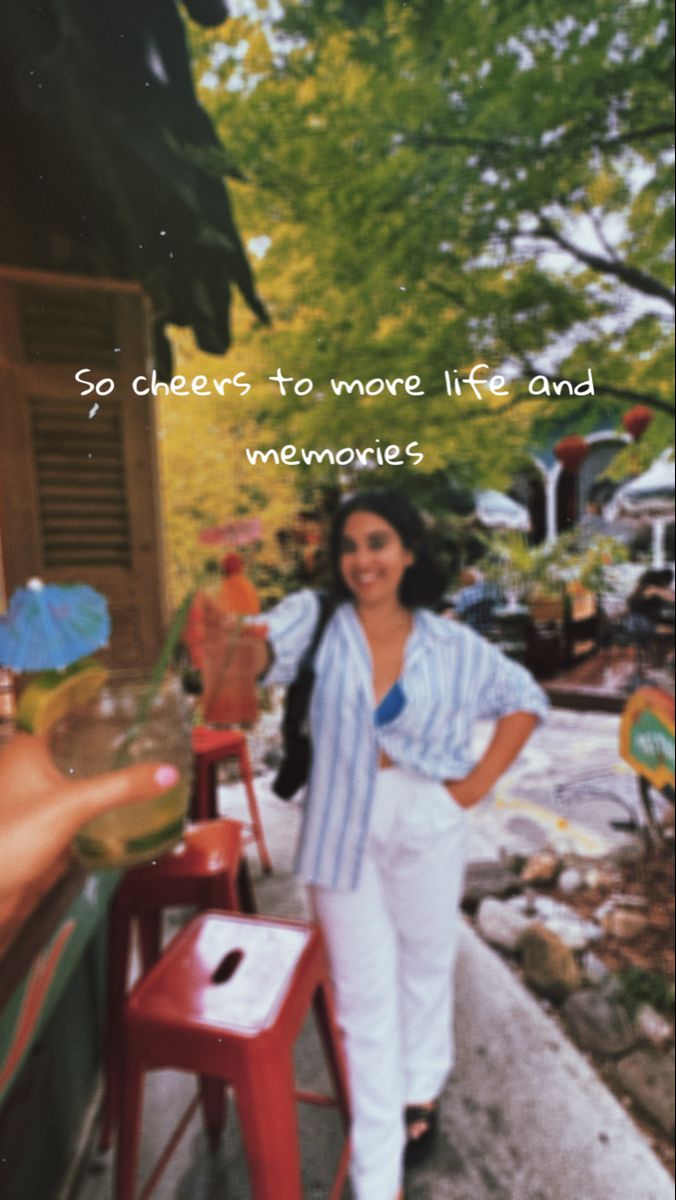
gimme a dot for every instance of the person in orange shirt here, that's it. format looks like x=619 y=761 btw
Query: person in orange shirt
x=234 y=595
x=208 y=594
x=238 y=596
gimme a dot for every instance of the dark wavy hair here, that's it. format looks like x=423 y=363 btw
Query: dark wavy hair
x=424 y=582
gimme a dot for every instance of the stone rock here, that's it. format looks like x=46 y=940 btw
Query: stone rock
x=624 y=924
x=607 y=876
x=570 y=880
x=598 y=1022
x=629 y=852
x=624 y=900
x=549 y=965
x=560 y=918
x=603 y=911
x=652 y=1027
x=594 y=969
x=500 y=923
x=488 y=878
x=542 y=867
x=648 y=1076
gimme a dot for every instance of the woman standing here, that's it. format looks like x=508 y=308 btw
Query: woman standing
x=396 y=697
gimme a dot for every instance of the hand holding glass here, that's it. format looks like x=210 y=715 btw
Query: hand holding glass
x=106 y=734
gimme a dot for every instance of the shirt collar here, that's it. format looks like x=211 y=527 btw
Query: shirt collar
x=418 y=644
x=350 y=626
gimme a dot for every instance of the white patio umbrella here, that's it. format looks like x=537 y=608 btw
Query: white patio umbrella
x=651 y=497
x=497 y=511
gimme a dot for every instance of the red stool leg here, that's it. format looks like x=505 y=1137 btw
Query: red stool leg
x=149 y=925
x=245 y=888
x=129 y=1115
x=203 y=800
x=330 y=1036
x=116 y=986
x=256 y=822
x=222 y=892
x=214 y=1101
x=267 y=1113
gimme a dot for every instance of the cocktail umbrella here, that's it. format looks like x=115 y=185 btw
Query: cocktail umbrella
x=233 y=533
x=651 y=497
x=49 y=626
x=497 y=511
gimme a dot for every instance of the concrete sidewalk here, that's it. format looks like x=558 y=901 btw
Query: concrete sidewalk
x=524 y=1117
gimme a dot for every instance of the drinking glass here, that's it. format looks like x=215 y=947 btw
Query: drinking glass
x=108 y=732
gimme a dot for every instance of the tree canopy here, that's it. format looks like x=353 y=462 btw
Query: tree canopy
x=441 y=184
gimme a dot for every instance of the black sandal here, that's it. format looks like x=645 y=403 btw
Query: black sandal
x=418 y=1149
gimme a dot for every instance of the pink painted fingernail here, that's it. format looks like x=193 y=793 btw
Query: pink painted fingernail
x=166 y=776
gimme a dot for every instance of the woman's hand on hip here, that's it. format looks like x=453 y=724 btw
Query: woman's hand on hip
x=465 y=792
x=510 y=734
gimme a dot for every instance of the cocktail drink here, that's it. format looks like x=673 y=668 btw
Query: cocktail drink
x=234 y=656
x=112 y=730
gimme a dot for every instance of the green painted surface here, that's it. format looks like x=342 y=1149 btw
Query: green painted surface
x=651 y=742
x=41 y=1118
x=86 y=913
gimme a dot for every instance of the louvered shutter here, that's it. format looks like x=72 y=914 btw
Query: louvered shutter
x=79 y=493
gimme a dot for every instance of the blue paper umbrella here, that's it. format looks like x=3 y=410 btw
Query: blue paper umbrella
x=49 y=626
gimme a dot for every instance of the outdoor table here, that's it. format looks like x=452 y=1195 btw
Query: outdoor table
x=512 y=623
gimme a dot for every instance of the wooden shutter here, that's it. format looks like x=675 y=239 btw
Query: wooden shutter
x=79 y=492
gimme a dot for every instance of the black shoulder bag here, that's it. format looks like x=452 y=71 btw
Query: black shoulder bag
x=295 y=765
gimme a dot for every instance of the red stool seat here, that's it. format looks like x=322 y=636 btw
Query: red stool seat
x=227 y=1000
x=208 y=870
x=211 y=747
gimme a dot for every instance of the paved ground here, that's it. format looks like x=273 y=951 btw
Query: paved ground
x=525 y=1117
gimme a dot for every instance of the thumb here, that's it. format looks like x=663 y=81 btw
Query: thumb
x=86 y=798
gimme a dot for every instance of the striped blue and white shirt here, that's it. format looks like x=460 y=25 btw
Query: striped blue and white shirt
x=450 y=678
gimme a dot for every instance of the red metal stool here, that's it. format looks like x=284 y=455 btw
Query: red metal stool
x=209 y=870
x=227 y=1000
x=211 y=747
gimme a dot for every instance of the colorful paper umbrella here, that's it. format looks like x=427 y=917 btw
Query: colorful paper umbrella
x=49 y=626
x=233 y=533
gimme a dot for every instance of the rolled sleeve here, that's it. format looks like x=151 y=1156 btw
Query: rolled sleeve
x=290 y=626
x=507 y=687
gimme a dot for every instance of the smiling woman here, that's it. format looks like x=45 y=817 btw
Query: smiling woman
x=373 y=559
x=396 y=694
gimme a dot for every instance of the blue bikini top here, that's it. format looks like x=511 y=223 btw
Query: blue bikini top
x=391 y=705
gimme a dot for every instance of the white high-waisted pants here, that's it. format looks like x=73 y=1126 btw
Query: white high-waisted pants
x=392 y=946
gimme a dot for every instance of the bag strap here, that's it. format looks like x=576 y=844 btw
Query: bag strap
x=299 y=691
x=326 y=610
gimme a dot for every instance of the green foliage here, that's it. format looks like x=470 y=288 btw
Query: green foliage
x=639 y=987
x=548 y=569
x=438 y=185
x=448 y=184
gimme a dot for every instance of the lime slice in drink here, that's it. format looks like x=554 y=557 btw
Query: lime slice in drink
x=52 y=694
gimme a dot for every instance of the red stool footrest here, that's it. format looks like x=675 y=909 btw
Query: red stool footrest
x=227 y=1000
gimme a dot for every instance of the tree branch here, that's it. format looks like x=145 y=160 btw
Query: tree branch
x=638 y=135
x=632 y=276
x=609 y=389
x=427 y=141
x=572 y=140
x=471 y=413
x=441 y=288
